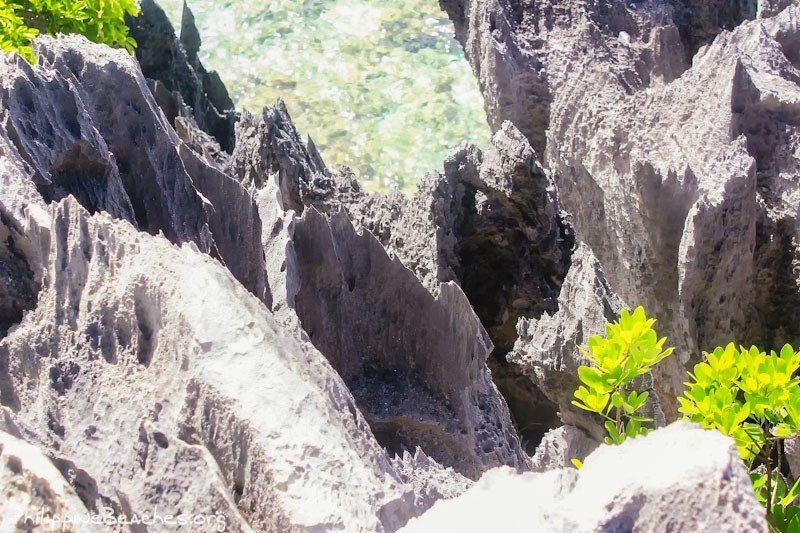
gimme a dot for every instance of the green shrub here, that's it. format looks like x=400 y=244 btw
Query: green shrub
x=630 y=349
x=744 y=393
x=754 y=398
x=101 y=21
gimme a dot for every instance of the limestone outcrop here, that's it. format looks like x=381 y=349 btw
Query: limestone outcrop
x=668 y=128
x=414 y=358
x=698 y=483
x=180 y=82
x=153 y=379
x=221 y=327
x=139 y=341
x=85 y=123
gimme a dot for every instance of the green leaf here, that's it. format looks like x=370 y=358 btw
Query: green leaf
x=793 y=493
x=782 y=430
x=617 y=399
x=611 y=429
x=594 y=379
x=591 y=400
x=636 y=401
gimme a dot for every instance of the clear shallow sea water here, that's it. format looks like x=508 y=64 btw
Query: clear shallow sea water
x=380 y=85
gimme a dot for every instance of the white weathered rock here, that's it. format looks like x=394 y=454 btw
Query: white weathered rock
x=35 y=493
x=679 y=478
x=152 y=372
x=560 y=446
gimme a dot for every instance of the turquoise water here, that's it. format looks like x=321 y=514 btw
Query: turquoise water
x=381 y=86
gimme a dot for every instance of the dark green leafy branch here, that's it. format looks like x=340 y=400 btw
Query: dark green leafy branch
x=101 y=21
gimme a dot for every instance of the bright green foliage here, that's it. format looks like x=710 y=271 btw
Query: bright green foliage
x=754 y=398
x=630 y=349
x=101 y=21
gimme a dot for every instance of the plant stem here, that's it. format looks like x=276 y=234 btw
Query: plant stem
x=769 y=478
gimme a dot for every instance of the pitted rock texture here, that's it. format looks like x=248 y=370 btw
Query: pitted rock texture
x=547 y=347
x=270 y=144
x=417 y=366
x=493 y=224
x=153 y=385
x=560 y=446
x=84 y=123
x=35 y=491
x=417 y=371
x=358 y=391
x=698 y=483
x=102 y=327
x=678 y=168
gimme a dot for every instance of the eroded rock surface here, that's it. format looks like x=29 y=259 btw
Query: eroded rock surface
x=84 y=123
x=547 y=347
x=145 y=361
x=126 y=375
x=183 y=87
x=698 y=483
x=493 y=224
x=417 y=366
x=35 y=491
x=678 y=167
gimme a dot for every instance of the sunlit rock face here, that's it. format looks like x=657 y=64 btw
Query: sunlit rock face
x=381 y=85
x=251 y=336
x=414 y=357
x=698 y=483
x=145 y=371
x=669 y=128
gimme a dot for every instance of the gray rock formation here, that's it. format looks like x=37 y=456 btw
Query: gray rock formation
x=547 y=348
x=417 y=364
x=560 y=446
x=63 y=120
x=678 y=168
x=491 y=223
x=147 y=370
x=94 y=299
x=146 y=362
x=178 y=76
x=270 y=144
x=697 y=483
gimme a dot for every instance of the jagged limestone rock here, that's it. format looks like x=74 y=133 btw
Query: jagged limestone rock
x=173 y=63
x=270 y=144
x=493 y=224
x=417 y=367
x=83 y=122
x=677 y=167
x=423 y=347
x=35 y=493
x=560 y=446
x=547 y=348
x=697 y=483
x=150 y=370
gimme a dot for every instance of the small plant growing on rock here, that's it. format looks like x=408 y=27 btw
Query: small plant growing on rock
x=101 y=21
x=754 y=398
x=630 y=349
